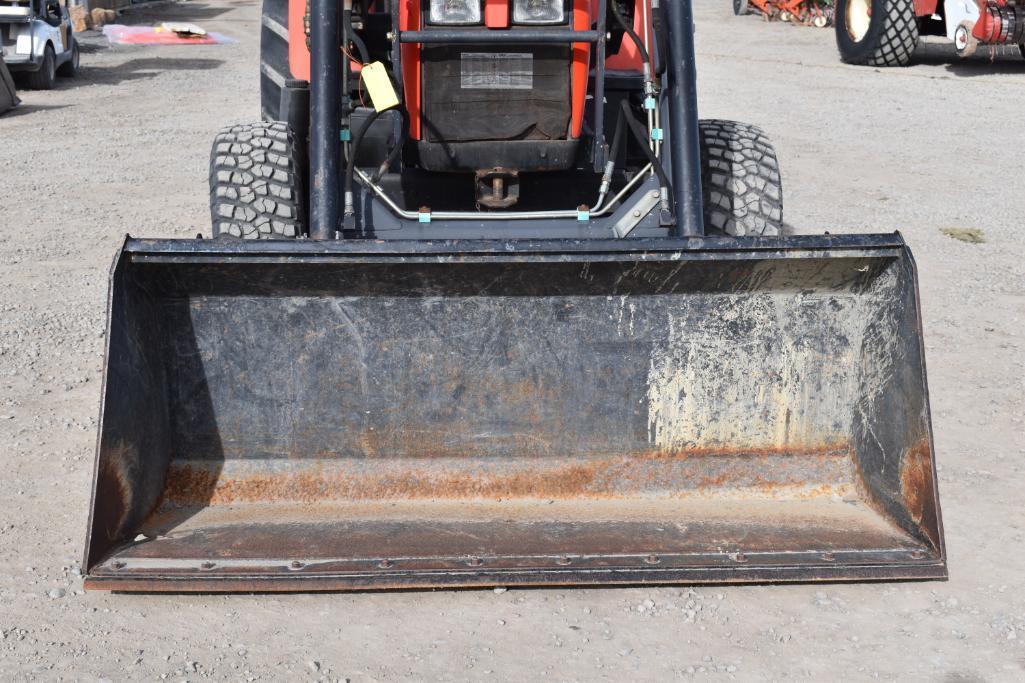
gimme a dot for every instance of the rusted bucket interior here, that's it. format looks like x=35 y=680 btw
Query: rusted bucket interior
x=306 y=423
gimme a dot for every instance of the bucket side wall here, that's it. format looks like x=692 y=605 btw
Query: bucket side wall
x=135 y=438
x=892 y=428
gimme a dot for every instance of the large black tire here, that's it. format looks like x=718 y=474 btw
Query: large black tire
x=741 y=7
x=70 y=68
x=255 y=183
x=44 y=78
x=273 y=57
x=889 y=37
x=742 y=190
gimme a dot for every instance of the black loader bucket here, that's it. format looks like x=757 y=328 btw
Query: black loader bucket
x=308 y=415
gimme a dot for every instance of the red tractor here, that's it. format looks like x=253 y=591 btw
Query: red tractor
x=886 y=32
x=487 y=305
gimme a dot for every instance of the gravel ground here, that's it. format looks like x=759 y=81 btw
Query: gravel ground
x=124 y=148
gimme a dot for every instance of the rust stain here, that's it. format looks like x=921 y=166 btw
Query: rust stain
x=115 y=482
x=916 y=486
x=821 y=471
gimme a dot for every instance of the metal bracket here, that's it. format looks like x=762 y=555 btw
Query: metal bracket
x=635 y=214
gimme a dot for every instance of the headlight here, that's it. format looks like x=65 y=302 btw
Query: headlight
x=455 y=12
x=538 y=12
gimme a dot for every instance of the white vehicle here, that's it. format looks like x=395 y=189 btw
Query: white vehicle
x=36 y=37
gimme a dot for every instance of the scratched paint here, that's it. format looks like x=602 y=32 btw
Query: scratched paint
x=751 y=376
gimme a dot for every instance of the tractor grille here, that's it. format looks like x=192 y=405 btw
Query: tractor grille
x=479 y=92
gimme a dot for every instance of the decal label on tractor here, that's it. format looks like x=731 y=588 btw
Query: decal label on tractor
x=496 y=71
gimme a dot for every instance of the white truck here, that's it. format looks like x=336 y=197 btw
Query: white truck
x=36 y=38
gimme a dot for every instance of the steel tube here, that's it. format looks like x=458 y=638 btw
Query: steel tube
x=685 y=154
x=325 y=117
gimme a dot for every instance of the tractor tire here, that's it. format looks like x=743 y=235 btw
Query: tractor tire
x=741 y=187
x=69 y=69
x=876 y=32
x=741 y=7
x=274 y=69
x=255 y=182
x=44 y=78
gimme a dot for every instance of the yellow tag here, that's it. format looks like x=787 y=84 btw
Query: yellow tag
x=382 y=94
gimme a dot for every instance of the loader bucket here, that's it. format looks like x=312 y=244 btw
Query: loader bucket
x=305 y=415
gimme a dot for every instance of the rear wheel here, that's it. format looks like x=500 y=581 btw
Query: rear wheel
x=69 y=68
x=741 y=186
x=741 y=7
x=44 y=78
x=273 y=57
x=255 y=184
x=876 y=32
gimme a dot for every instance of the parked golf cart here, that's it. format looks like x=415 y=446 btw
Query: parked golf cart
x=37 y=39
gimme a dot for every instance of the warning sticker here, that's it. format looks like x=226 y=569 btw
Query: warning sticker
x=496 y=71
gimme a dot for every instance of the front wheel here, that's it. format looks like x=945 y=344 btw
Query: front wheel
x=44 y=78
x=255 y=182
x=741 y=7
x=740 y=182
x=876 y=32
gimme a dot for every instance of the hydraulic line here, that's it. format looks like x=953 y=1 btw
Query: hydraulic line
x=610 y=165
x=350 y=34
x=394 y=152
x=649 y=83
x=350 y=166
x=621 y=20
x=638 y=133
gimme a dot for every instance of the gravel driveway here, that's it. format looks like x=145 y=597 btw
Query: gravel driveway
x=124 y=148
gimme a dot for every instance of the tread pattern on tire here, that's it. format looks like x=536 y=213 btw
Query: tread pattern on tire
x=898 y=38
x=741 y=185
x=255 y=184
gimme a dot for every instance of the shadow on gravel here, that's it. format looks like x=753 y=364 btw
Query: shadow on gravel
x=25 y=109
x=143 y=68
x=191 y=11
x=1002 y=59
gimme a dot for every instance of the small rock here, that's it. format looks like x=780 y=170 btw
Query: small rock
x=57 y=593
x=500 y=589
x=313 y=666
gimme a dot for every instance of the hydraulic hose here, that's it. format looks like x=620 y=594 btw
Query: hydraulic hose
x=350 y=167
x=610 y=164
x=656 y=165
x=361 y=47
x=621 y=20
x=393 y=153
